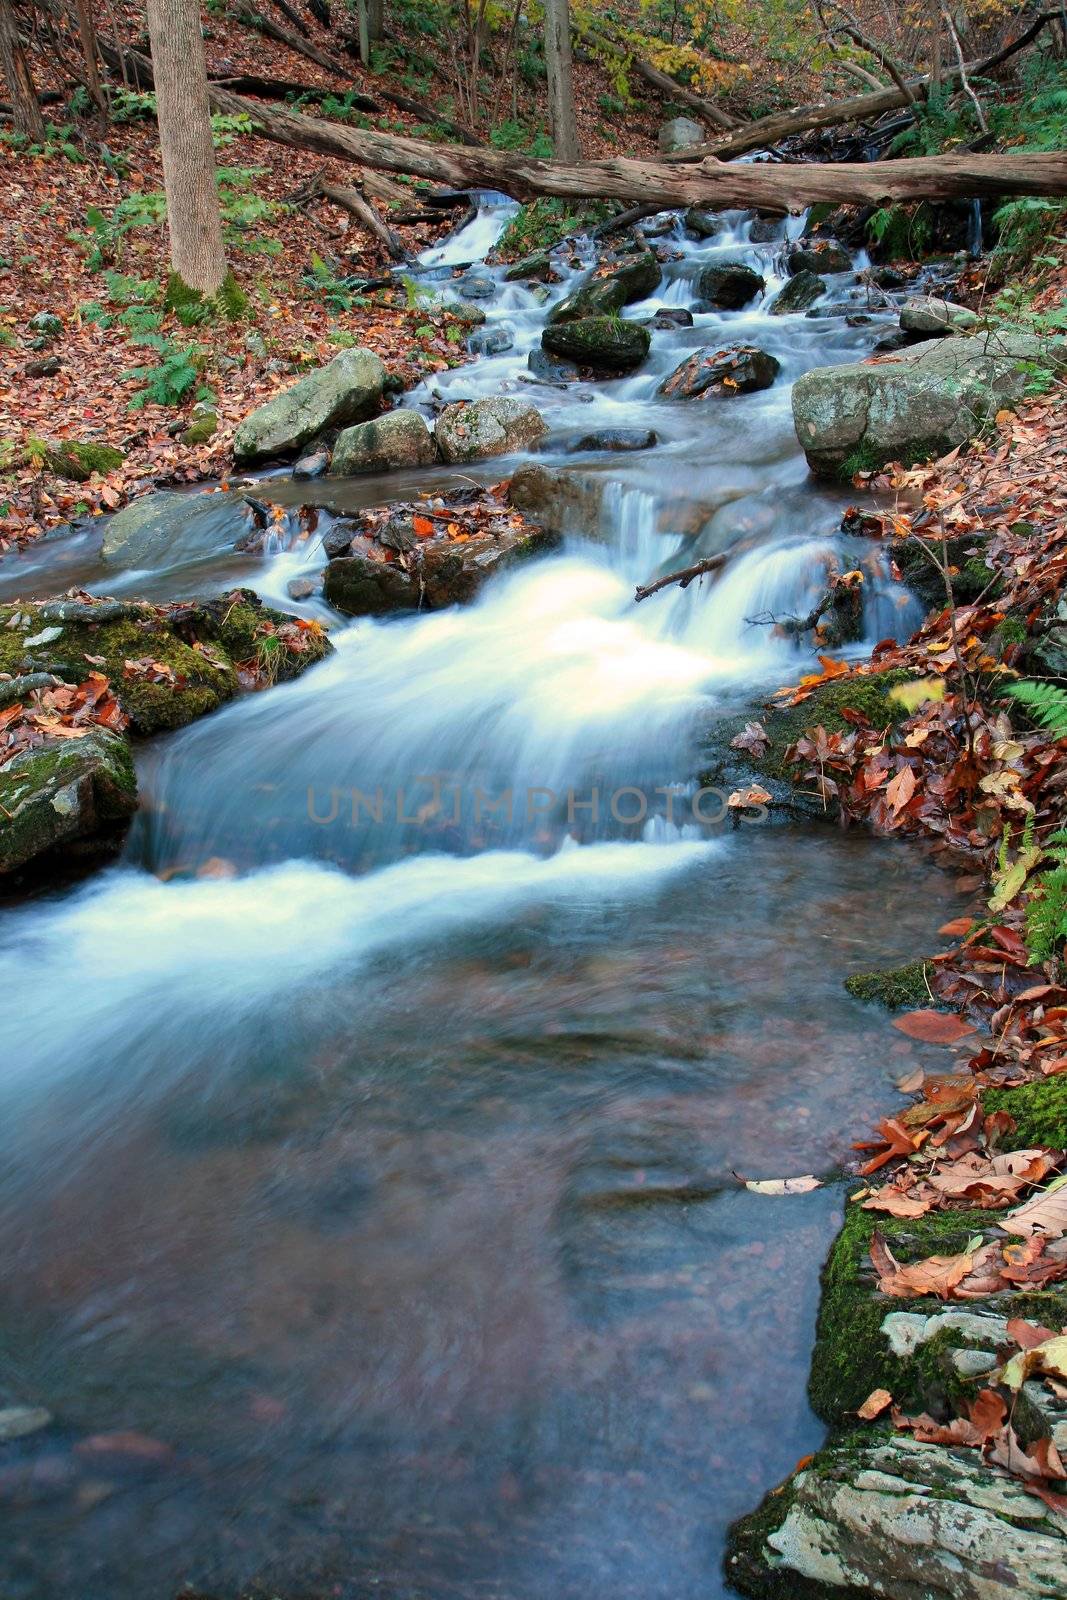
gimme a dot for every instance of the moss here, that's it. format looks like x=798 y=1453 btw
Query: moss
x=896 y=988
x=201 y=429
x=1039 y=1109
x=865 y=458
x=190 y=304
x=68 y=458
x=824 y=707
x=852 y=1355
x=232 y=300
x=65 y=791
x=543 y=223
x=752 y=1570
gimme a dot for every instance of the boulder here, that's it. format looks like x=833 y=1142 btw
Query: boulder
x=739 y=369
x=63 y=792
x=491 y=341
x=78 y=461
x=617 y=439
x=729 y=285
x=681 y=133
x=544 y=367
x=914 y=404
x=670 y=317
x=497 y=426
x=765 y=230
x=168 y=529
x=887 y=1515
x=799 y=293
x=536 y=268
x=827 y=258
x=931 y=316
x=703 y=224
x=347 y=389
x=604 y=343
x=476 y=286
x=601 y=297
x=399 y=439
x=559 y=502
x=442 y=573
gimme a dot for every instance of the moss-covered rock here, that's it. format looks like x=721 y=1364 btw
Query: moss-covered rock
x=895 y=988
x=495 y=426
x=1039 y=1109
x=606 y=344
x=73 y=459
x=65 y=792
x=799 y=293
x=348 y=389
x=201 y=429
x=730 y=285
x=397 y=439
x=603 y=296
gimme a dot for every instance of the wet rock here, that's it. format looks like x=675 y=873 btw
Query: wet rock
x=703 y=224
x=602 y=297
x=43 y=367
x=397 y=439
x=337 y=541
x=18 y=1421
x=312 y=466
x=78 y=461
x=828 y=258
x=169 y=529
x=670 y=317
x=462 y=311
x=606 y=344
x=895 y=339
x=346 y=390
x=931 y=316
x=442 y=573
x=617 y=439
x=890 y=1516
x=765 y=230
x=917 y=403
x=799 y=293
x=302 y=588
x=730 y=285
x=888 y=278
x=738 y=369
x=681 y=133
x=491 y=341
x=537 y=268
x=497 y=426
x=66 y=791
x=476 y=286
x=560 y=502
x=542 y=365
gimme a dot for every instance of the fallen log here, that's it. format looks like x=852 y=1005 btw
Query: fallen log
x=282 y=88
x=358 y=206
x=768 y=131
x=744 y=186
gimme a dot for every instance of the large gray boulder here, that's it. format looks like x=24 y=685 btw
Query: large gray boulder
x=168 y=529
x=606 y=344
x=681 y=133
x=738 y=369
x=399 y=439
x=932 y=316
x=914 y=404
x=65 y=792
x=496 y=426
x=347 y=389
x=878 y=1515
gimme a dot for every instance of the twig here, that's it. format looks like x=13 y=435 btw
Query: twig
x=683 y=578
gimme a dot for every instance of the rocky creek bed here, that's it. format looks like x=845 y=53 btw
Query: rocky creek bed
x=309 y=1318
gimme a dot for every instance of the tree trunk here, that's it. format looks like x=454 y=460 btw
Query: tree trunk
x=743 y=186
x=561 y=119
x=376 y=19
x=90 y=51
x=25 y=110
x=197 y=254
x=660 y=81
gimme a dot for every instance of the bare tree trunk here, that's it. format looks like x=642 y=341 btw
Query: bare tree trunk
x=90 y=50
x=197 y=254
x=561 y=119
x=25 y=110
x=376 y=19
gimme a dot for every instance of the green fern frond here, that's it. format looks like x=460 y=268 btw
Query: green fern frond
x=1046 y=703
x=1046 y=915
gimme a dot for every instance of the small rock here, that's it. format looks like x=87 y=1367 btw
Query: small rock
x=338 y=540
x=46 y=636
x=670 y=317
x=463 y=311
x=302 y=588
x=18 y=1421
x=397 y=439
x=730 y=285
x=476 y=286
x=43 y=367
x=47 y=327
x=828 y=258
x=491 y=341
x=312 y=466
x=617 y=439
x=681 y=133
x=492 y=427
x=765 y=230
x=739 y=369
x=255 y=344
x=543 y=366
x=703 y=224
x=799 y=293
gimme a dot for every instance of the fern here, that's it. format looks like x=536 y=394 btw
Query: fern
x=1046 y=703
x=1046 y=911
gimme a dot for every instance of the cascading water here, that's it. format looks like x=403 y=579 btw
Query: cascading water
x=370 y=1130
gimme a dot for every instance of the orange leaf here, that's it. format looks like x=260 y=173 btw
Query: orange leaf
x=933 y=1027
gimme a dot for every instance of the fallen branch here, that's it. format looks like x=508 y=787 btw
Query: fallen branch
x=249 y=17
x=683 y=579
x=12 y=690
x=358 y=206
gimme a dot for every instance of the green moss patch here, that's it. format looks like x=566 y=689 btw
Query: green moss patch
x=540 y=224
x=825 y=707
x=1039 y=1109
x=896 y=988
x=68 y=458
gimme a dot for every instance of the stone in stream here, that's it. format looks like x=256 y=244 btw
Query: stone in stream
x=168 y=529
x=703 y=224
x=476 y=286
x=799 y=293
x=18 y=1421
x=681 y=133
x=397 y=439
x=66 y=792
x=312 y=466
x=496 y=426
x=602 y=297
x=347 y=389
x=442 y=573
x=536 y=268
x=617 y=439
x=542 y=365
x=338 y=539
x=730 y=285
x=669 y=317
x=931 y=316
x=737 y=369
x=491 y=341
x=559 y=502
x=606 y=344
x=915 y=404
x=828 y=258
x=765 y=230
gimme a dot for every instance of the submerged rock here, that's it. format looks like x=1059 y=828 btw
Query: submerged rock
x=730 y=285
x=617 y=439
x=312 y=466
x=932 y=316
x=559 y=502
x=347 y=389
x=491 y=341
x=536 y=268
x=914 y=404
x=168 y=529
x=607 y=344
x=799 y=293
x=398 y=439
x=739 y=369
x=496 y=426
x=544 y=367
x=64 y=792
x=437 y=574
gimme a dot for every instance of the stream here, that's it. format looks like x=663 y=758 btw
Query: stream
x=370 y=1132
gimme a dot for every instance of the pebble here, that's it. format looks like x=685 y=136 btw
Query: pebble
x=17 y=1421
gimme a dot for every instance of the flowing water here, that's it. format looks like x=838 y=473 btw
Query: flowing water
x=370 y=1134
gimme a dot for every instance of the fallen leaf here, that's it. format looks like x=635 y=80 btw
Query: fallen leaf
x=875 y=1403
x=784 y=1185
x=933 y=1027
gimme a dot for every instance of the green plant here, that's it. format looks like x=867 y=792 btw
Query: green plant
x=901 y=230
x=1046 y=909
x=58 y=141
x=339 y=293
x=133 y=105
x=170 y=380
